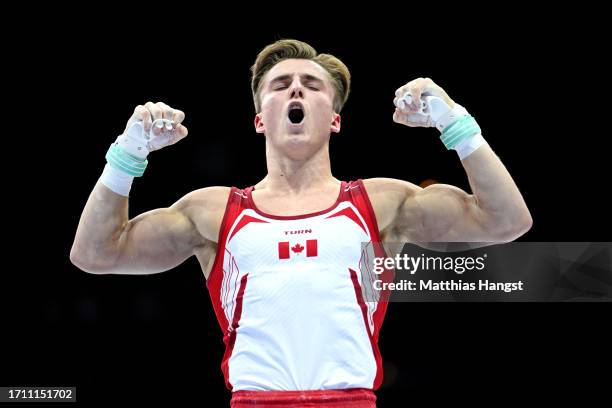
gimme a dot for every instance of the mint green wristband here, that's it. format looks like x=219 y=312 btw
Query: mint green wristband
x=126 y=162
x=459 y=130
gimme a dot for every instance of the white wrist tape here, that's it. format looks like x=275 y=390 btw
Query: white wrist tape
x=468 y=146
x=116 y=180
x=130 y=152
x=460 y=131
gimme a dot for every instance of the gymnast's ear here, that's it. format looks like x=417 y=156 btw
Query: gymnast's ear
x=335 y=125
x=259 y=125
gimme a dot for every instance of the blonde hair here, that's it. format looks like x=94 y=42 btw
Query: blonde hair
x=286 y=49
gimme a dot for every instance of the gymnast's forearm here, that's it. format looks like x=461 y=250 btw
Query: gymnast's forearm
x=96 y=243
x=495 y=190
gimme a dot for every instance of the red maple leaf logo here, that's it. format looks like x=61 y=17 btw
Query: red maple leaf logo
x=297 y=248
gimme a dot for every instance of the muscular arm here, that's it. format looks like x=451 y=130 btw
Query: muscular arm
x=495 y=212
x=107 y=241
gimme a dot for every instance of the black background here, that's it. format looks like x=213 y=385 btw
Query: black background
x=534 y=81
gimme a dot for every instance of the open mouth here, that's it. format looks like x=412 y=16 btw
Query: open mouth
x=296 y=113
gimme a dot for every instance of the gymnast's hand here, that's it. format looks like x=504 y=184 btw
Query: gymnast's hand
x=163 y=133
x=417 y=87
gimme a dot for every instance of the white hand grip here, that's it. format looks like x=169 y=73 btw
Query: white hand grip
x=139 y=143
x=431 y=110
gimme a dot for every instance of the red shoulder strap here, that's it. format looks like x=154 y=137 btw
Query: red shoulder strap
x=359 y=197
x=236 y=202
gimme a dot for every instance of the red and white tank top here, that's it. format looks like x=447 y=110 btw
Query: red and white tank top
x=287 y=292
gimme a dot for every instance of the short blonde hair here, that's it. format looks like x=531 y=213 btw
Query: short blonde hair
x=289 y=49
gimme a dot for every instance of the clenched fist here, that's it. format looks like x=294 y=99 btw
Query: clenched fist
x=153 y=124
x=417 y=88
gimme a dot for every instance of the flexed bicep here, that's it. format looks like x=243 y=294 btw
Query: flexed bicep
x=156 y=241
x=445 y=213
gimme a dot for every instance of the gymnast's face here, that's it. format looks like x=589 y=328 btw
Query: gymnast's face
x=297 y=114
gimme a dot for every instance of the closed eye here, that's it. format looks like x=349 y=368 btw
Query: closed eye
x=281 y=87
